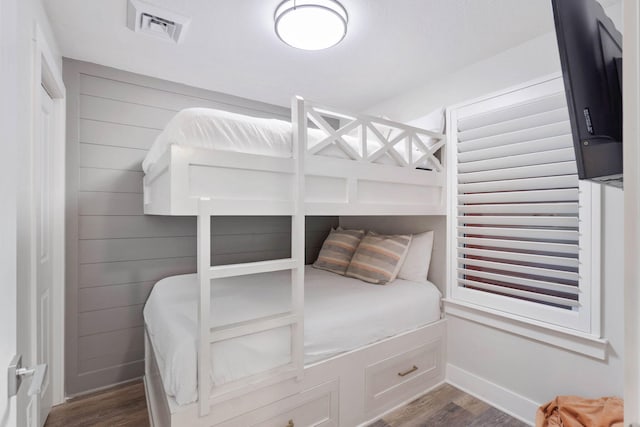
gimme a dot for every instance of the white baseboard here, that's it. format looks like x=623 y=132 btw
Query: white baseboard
x=505 y=400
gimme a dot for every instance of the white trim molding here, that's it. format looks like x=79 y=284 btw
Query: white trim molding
x=497 y=396
x=524 y=233
x=567 y=339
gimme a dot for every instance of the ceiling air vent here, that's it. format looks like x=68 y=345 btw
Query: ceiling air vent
x=155 y=21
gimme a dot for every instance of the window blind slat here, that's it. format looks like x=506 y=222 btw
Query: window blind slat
x=554 y=143
x=522 y=269
x=561 y=168
x=521 y=208
x=529 y=283
x=511 y=112
x=521 y=233
x=535 y=247
x=524 y=257
x=522 y=294
x=562 y=195
x=539 y=158
x=544 y=183
x=535 y=120
x=533 y=221
x=532 y=134
x=518 y=204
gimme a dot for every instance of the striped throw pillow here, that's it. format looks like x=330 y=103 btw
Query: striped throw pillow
x=378 y=258
x=337 y=250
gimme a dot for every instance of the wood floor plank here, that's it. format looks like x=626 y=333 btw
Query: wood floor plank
x=423 y=407
x=471 y=404
x=497 y=418
x=121 y=406
x=125 y=406
x=451 y=415
x=450 y=407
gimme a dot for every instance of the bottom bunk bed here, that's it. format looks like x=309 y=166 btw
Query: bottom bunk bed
x=367 y=349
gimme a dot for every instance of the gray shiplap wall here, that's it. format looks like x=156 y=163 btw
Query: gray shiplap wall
x=115 y=253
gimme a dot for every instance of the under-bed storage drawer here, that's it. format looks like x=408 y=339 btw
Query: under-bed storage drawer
x=393 y=380
x=317 y=407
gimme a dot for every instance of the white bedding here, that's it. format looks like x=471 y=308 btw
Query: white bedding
x=222 y=130
x=341 y=314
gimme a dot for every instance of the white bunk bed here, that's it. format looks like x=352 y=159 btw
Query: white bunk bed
x=189 y=172
x=241 y=161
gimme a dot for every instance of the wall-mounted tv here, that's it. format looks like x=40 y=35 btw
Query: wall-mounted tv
x=591 y=57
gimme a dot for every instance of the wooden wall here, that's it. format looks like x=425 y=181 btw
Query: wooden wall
x=114 y=253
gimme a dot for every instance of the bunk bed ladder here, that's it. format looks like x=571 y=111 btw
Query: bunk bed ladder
x=299 y=150
x=293 y=318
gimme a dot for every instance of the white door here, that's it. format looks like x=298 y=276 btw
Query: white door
x=8 y=207
x=42 y=229
x=38 y=405
x=8 y=256
x=34 y=397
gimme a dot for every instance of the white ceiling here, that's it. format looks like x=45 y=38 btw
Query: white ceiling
x=391 y=45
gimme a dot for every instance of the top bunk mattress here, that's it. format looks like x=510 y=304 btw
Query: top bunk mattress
x=222 y=130
x=341 y=314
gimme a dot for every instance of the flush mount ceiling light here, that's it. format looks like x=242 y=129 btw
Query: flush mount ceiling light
x=311 y=25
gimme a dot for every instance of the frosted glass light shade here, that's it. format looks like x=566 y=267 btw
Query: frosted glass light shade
x=311 y=25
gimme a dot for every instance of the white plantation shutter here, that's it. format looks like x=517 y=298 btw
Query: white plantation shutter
x=522 y=224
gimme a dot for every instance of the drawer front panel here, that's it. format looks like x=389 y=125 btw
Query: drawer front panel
x=316 y=412
x=399 y=377
x=316 y=407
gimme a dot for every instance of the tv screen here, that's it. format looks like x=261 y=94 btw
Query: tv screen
x=591 y=57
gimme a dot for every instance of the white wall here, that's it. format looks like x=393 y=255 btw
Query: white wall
x=8 y=75
x=529 y=369
x=17 y=19
x=532 y=59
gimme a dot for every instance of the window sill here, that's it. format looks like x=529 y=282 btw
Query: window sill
x=567 y=339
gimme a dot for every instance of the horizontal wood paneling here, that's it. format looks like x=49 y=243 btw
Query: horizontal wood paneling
x=241 y=257
x=115 y=254
x=103 y=203
x=115 y=372
x=103 y=156
x=122 y=365
x=111 y=343
x=120 y=227
x=117 y=273
x=124 y=113
x=116 y=135
x=103 y=297
x=110 y=180
x=113 y=319
x=173 y=100
x=112 y=250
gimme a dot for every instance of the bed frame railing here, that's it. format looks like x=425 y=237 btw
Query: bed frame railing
x=377 y=137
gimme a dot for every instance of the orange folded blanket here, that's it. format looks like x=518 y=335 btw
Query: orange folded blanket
x=572 y=411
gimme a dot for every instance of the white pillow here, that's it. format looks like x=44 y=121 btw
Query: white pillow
x=416 y=263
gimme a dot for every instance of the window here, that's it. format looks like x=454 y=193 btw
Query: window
x=524 y=230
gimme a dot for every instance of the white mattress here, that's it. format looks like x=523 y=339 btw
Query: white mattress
x=222 y=130
x=341 y=314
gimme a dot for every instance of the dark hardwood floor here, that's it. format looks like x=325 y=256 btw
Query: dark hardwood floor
x=125 y=406
x=121 y=406
x=450 y=407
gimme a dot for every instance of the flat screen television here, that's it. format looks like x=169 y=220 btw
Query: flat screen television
x=591 y=58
